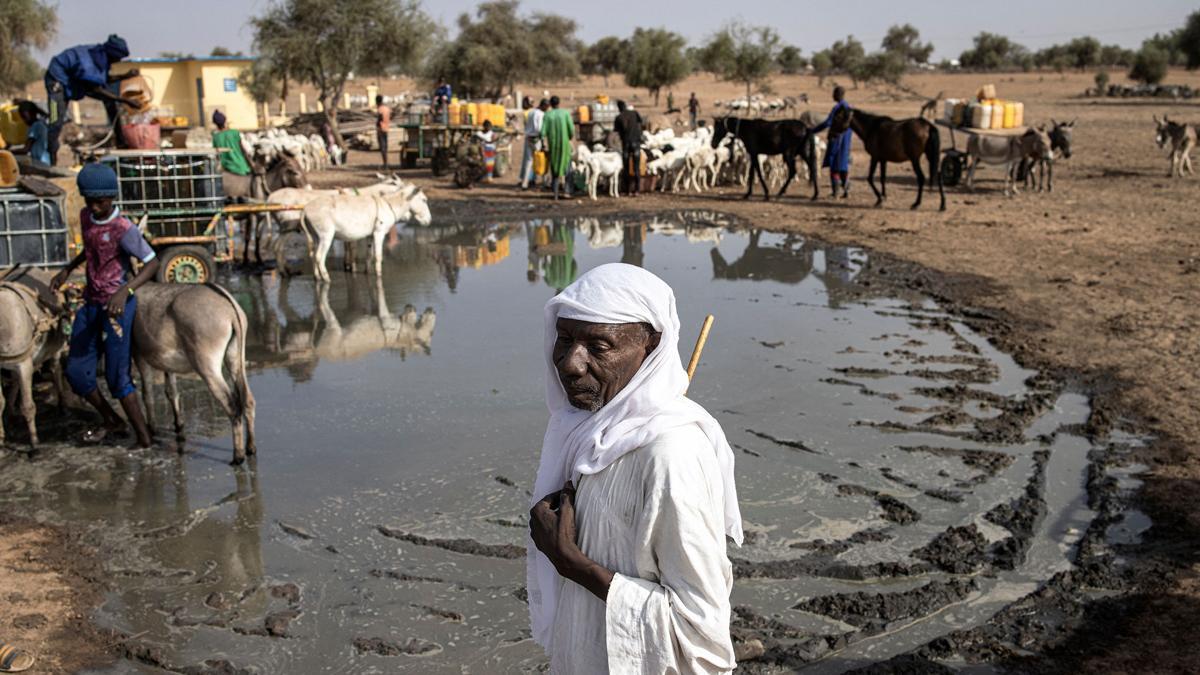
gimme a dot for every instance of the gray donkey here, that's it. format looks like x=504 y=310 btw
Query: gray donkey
x=1182 y=138
x=193 y=328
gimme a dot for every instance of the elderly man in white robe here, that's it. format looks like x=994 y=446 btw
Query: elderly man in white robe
x=635 y=491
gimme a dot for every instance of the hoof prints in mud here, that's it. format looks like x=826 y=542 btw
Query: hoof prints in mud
x=873 y=613
x=466 y=546
x=382 y=647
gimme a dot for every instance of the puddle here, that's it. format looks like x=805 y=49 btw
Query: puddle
x=882 y=447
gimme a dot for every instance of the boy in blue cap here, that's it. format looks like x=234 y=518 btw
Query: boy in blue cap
x=106 y=319
x=83 y=71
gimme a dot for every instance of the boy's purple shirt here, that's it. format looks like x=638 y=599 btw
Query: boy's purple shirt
x=107 y=248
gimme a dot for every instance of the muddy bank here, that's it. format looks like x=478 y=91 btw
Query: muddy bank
x=50 y=581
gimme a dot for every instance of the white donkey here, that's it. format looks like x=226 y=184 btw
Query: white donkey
x=349 y=217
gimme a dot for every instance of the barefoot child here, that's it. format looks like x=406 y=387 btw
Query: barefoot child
x=105 y=322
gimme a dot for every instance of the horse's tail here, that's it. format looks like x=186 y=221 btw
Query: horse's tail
x=933 y=152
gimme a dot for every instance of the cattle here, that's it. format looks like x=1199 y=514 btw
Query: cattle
x=352 y=217
x=30 y=334
x=1182 y=138
x=1009 y=151
x=195 y=328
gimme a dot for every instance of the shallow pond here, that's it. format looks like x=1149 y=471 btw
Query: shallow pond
x=882 y=447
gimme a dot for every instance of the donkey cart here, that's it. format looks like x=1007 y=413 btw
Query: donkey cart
x=954 y=161
x=181 y=196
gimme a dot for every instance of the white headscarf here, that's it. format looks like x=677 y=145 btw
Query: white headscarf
x=579 y=442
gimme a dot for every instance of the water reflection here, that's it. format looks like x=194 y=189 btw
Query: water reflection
x=342 y=322
x=552 y=252
x=473 y=247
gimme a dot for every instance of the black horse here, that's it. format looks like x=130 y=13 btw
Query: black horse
x=891 y=140
x=790 y=138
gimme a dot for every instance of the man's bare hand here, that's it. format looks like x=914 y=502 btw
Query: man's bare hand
x=116 y=304
x=552 y=526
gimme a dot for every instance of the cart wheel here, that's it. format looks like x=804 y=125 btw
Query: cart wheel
x=952 y=169
x=186 y=265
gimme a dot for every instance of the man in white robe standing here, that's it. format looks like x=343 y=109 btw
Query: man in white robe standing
x=627 y=565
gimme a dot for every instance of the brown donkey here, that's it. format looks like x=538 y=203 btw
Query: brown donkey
x=890 y=140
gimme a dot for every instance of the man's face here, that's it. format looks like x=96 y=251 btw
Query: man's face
x=596 y=360
x=99 y=207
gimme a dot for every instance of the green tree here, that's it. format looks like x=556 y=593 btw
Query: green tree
x=905 y=42
x=500 y=48
x=880 y=66
x=753 y=57
x=715 y=53
x=223 y=51
x=992 y=52
x=822 y=65
x=1116 y=55
x=846 y=56
x=1189 y=40
x=24 y=25
x=790 y=60
x=604 y=57
x=655 y=60
x=1101 y=82
x=263 y=81
x=1171 y=44
x=176 y=55
x=1150 y=65
x=323 y=41
x=1084 y=52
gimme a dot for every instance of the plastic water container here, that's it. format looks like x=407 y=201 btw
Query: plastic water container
x=948 y=110
x=142 y=136
x=472 y=114
x=455 y=111
x=12 y=127
x=1019 y=114
x=960 y=114
x=1010 y=114
x=9 y=171
x=540 y=163
x=981 y=116
x=997 y=114
x=585 y=114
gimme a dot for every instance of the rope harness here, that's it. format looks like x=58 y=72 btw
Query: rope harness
x=40 y=326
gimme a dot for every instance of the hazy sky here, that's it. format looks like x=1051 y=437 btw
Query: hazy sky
x=197 y=25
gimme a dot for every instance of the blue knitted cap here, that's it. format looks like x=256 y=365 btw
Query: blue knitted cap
x=116 y=48
x=97 y=180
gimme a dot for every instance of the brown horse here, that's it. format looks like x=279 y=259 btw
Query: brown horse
x=890 y=140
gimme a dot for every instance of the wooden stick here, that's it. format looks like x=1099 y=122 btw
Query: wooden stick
x=699 y=348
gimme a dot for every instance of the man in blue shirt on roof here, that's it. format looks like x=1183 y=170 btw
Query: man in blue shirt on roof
x=83 y=71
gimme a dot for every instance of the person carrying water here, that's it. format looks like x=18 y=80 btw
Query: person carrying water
x=83 y=71
x=105 y=322
x=837 y=154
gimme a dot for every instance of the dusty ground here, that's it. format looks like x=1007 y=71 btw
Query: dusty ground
x=48 y=585
x=1097 y=283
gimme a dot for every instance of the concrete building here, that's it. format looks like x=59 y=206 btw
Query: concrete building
x=195 y=87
